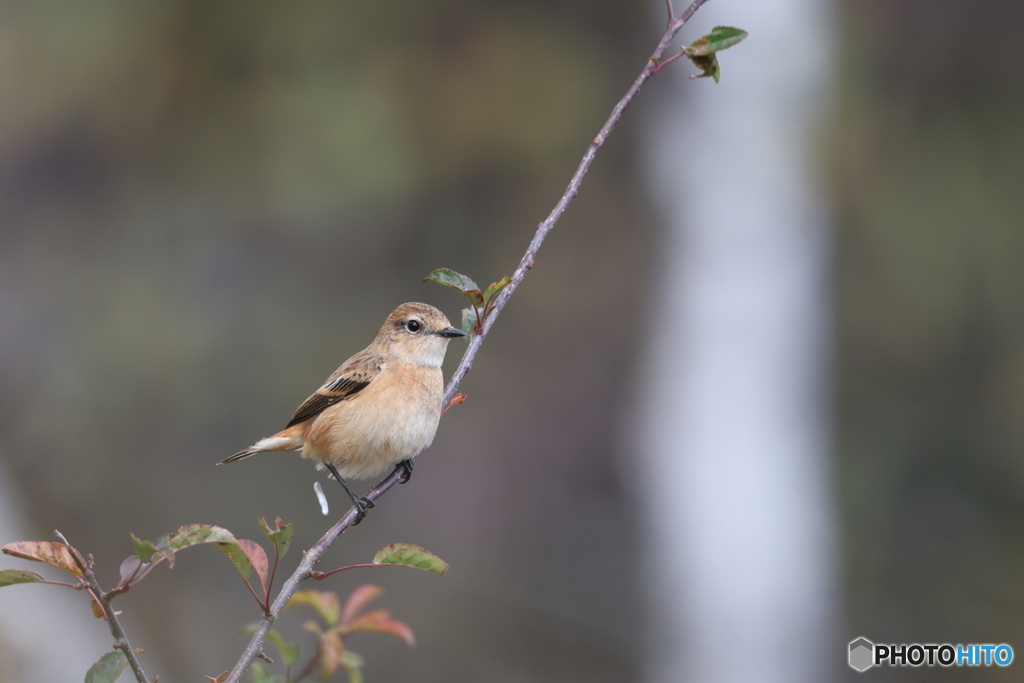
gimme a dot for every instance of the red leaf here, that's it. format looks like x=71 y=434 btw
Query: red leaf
x=257 y=558
x=57 y=554
x=358 y=599
x=380 y=620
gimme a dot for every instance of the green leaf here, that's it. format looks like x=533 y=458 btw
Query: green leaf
x=352 y=664
x=256 y=557
x=324 y=602
x=190 y=535
x=450 y=278
x=9 y=577
x=194 y=534
x=107 y=668
x=144 y=549
x=281 y=535
x=463 y=283
x=238 y=557
x=469 y=321
x=411 y=556
x=261 y=674
x=50 y=552
x=702 y=51
x=289 y=652
x=496 y=287
x=720 y=38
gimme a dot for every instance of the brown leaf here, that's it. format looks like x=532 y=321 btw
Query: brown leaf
x=50 y=552
x=97 y=610
x=219 y=679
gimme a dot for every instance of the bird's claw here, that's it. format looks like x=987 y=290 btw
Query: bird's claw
x=362 y=504
x=406 y=465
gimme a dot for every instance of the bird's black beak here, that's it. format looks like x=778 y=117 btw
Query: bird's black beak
x=450 y=332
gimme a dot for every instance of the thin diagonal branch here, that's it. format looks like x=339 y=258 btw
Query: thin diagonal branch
x=312 y=556
x=103 y=600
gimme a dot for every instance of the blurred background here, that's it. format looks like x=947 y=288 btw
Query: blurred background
x=205 y=207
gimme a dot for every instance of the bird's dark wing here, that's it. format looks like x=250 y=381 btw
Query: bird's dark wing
x=353 y=376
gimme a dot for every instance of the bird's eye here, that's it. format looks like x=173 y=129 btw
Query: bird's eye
x=413 y=325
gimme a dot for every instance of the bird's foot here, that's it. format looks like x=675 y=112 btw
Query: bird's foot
x=407 y=474
x=361 y=504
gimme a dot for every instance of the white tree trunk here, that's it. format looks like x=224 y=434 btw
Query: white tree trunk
x=733 y=425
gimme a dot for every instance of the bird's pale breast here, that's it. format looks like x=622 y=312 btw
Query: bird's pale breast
x=392 y=419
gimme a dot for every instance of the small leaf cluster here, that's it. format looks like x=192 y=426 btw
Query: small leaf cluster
x=247 y=556
x=337 y=622
x=703 y=50
x=481 y=301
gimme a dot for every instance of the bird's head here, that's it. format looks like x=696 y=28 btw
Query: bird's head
x=417 y=333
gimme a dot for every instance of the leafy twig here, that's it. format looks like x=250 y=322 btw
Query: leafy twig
x=103 y=600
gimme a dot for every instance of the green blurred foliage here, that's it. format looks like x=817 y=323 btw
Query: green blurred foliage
x=929 y=164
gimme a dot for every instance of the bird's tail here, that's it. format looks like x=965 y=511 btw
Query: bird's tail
x=288 y=440
x=240 y=455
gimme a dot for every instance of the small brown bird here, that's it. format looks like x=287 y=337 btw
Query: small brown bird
x=379 y=409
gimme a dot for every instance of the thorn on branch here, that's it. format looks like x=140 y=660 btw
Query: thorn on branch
x=265 y=658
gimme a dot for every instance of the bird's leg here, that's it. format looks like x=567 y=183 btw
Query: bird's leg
x=407 y=466
x=362 y=504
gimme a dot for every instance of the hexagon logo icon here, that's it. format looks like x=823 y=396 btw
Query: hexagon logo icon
x=862 y=654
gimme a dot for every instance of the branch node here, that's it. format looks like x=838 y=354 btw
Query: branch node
x=265 y=658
